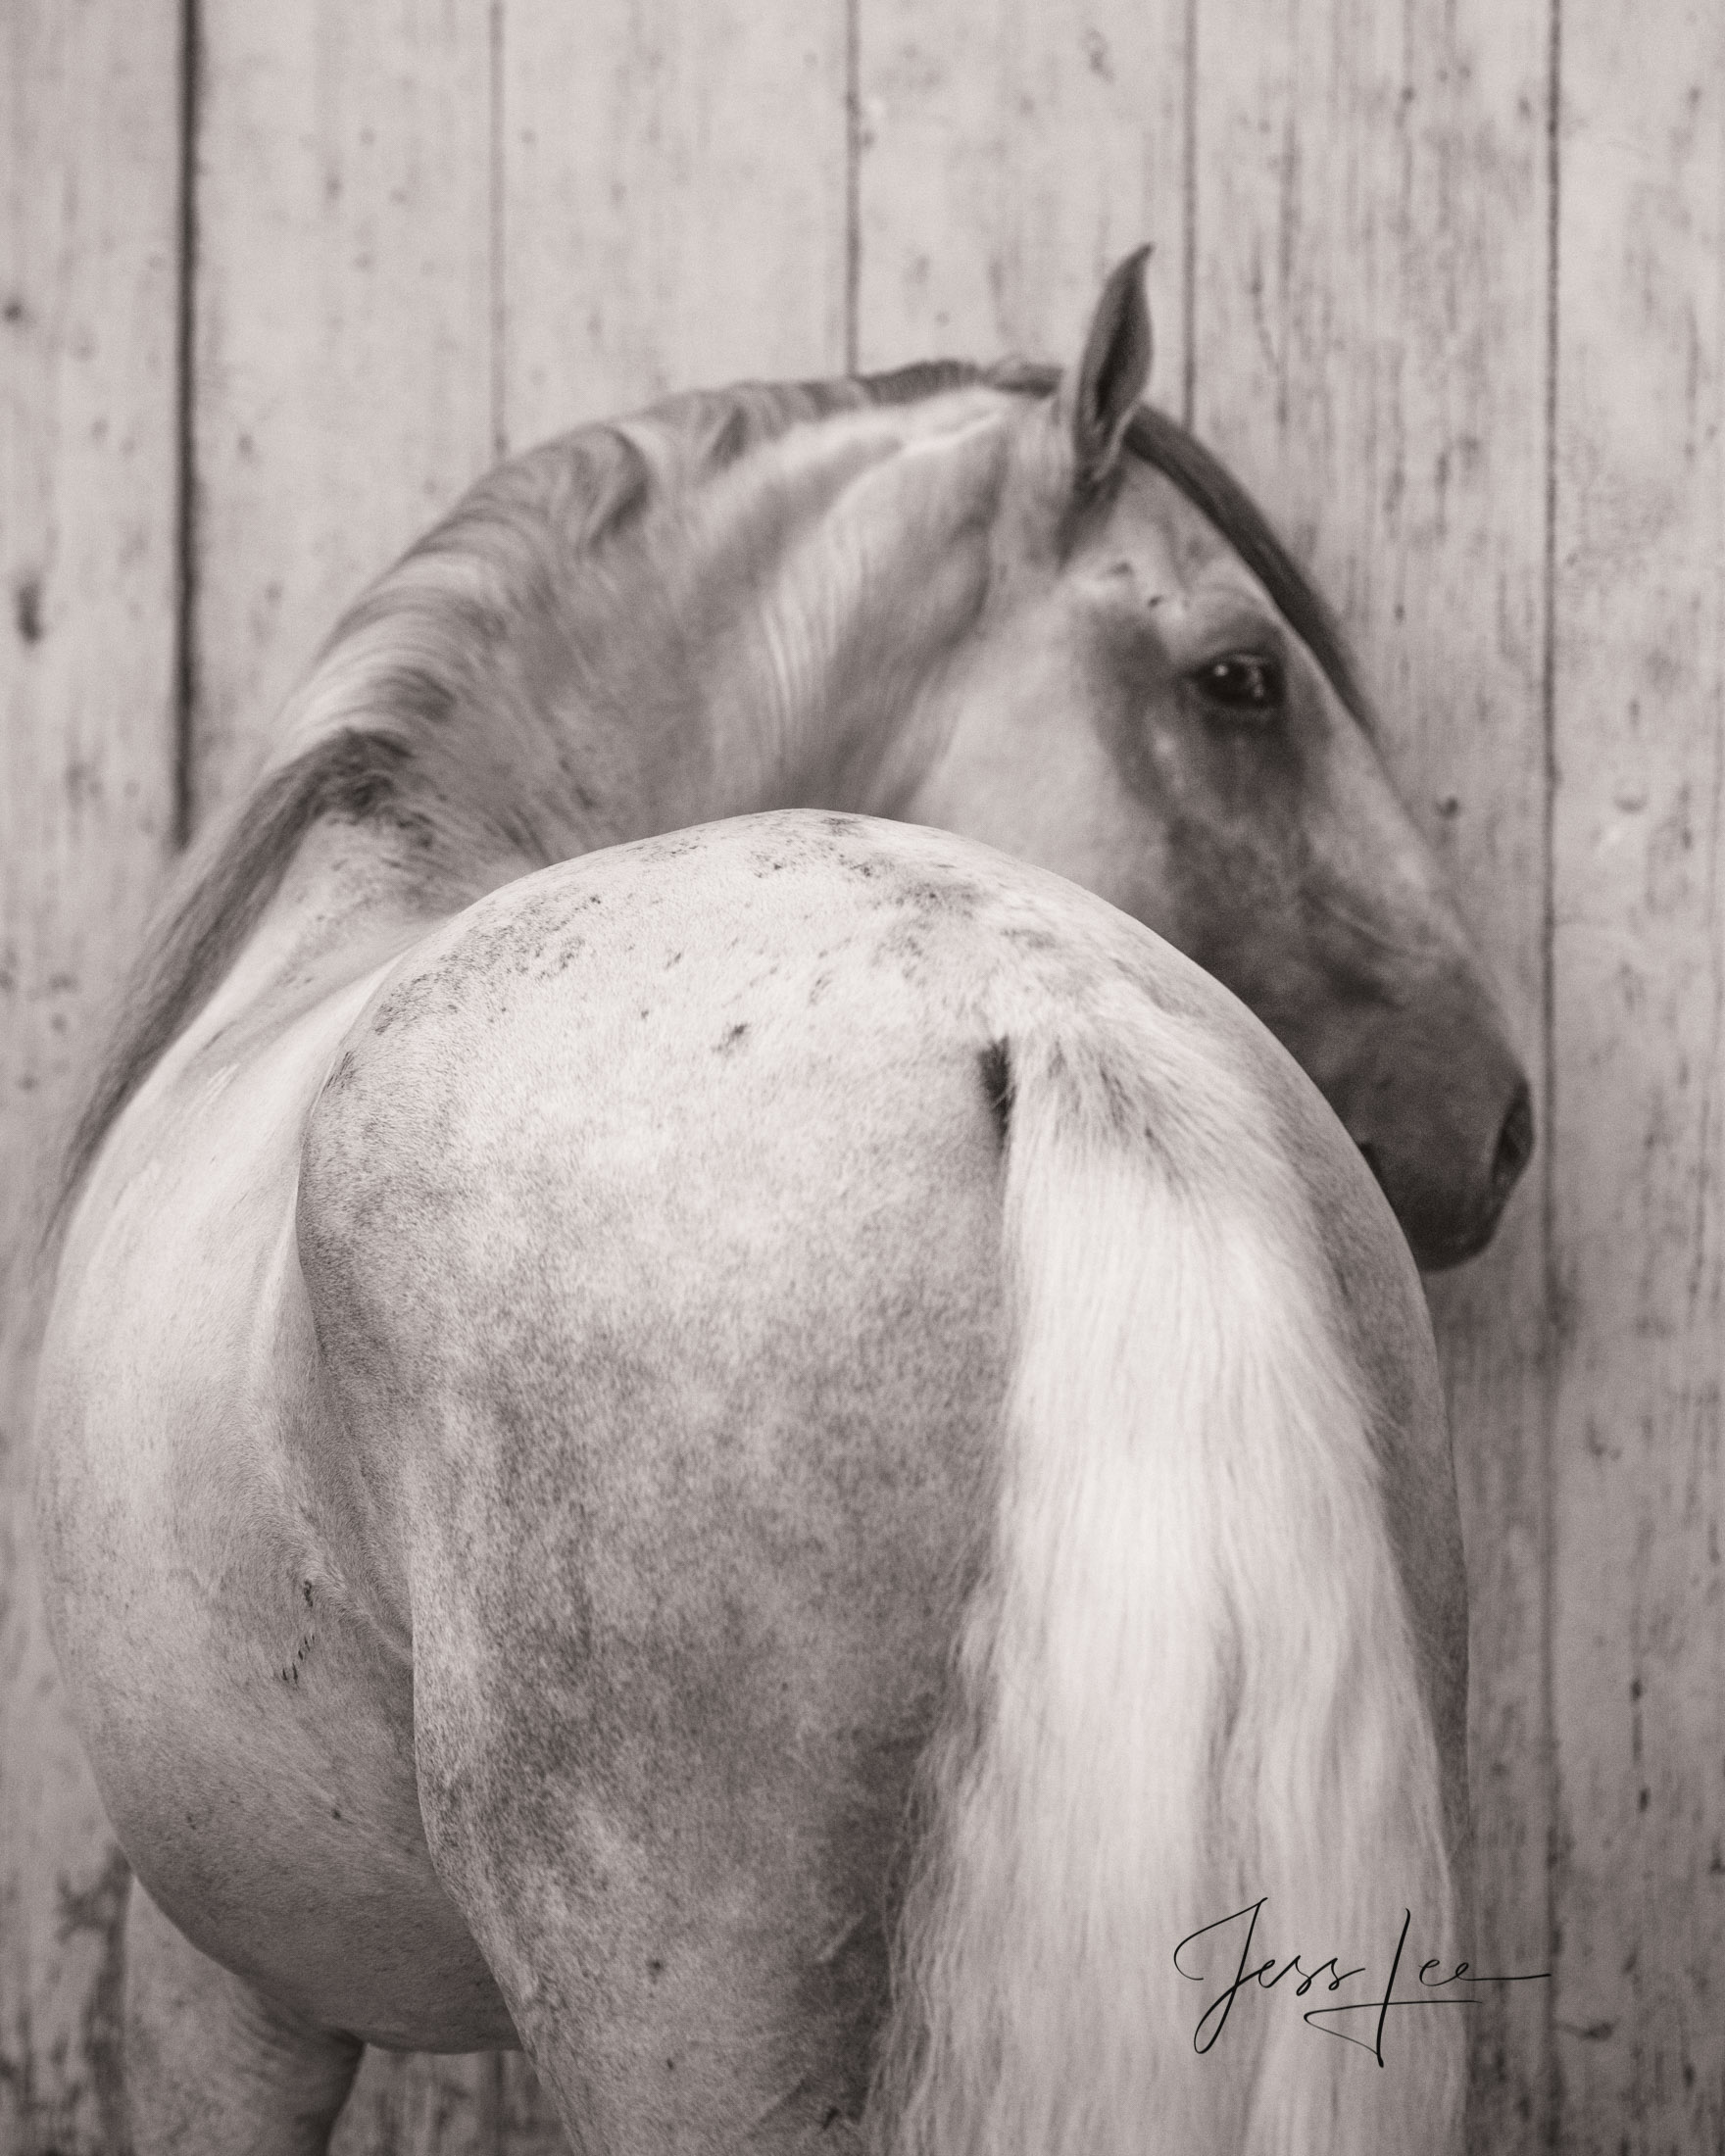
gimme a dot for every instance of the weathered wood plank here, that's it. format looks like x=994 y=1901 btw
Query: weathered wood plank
x=673 y=187
x=1370 y=344
x=406 y=2104
x=344 y=389
x=421 y=2106
x=1008 y=157
x=344 y=302
x=1639 y=1059
x=415 y=2105
x=89 y=102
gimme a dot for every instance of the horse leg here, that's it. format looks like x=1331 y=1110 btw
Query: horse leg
x=689 y=1532
x=690 y=1928
x=213 y=2066
x=675 y=1667
x=688 y=1450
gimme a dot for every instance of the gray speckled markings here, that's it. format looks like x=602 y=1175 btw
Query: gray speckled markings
x=667 y=1303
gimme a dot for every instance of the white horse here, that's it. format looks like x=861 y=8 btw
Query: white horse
x=791 y=1463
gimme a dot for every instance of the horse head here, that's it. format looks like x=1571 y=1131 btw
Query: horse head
x=1153 y=703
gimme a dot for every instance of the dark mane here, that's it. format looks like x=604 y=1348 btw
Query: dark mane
x=381 y=750
x=1207 y=484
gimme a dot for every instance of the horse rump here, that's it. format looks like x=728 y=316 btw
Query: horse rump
x=848 y=1336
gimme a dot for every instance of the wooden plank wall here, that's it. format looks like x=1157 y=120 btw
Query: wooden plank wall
x=1447 y=285
x=88 y=666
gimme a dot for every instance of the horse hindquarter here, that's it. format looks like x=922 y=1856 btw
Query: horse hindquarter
x=655 y=1231
x=671 y=1310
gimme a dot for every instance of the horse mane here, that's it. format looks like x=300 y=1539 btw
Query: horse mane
x=367 y=738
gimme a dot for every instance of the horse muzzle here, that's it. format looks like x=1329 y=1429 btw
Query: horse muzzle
x=1439 y=1105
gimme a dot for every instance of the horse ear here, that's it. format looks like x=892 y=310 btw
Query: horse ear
x=1098 y=400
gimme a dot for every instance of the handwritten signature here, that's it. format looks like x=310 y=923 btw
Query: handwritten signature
x=1269 y=1972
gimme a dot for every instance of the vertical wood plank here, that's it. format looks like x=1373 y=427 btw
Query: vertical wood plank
x=412 y=2105
x=527 y=2121
x=344 y=387
x=1370 y=346
x=90 y=101
x=408 y=2104
x=343 y=310
x=674 y=185
x=404 y=2105
x=1638 y=1592
x=1009 y=158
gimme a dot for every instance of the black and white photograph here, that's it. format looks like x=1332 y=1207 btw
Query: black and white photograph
x=861 y=1077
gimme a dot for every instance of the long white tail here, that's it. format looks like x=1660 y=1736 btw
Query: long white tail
x=1186 y=1683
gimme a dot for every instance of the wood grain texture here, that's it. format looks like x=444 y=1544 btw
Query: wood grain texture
x=343 y=374
x=674 y=188
x=429 y=227
x=89 y=101
x=1371 y=347
x=1638 y=1056
x=419 y=2106
x=344 y=390
x=1008 y=158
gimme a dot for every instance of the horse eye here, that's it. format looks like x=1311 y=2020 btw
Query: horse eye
x=1247 y=683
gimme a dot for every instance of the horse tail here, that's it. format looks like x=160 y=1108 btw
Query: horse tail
x=1186 y=1683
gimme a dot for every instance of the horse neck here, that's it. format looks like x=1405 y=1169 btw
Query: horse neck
x=851 y=563
x=767 y=636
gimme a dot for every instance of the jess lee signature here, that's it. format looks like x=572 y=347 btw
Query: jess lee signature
x=1269 y=1972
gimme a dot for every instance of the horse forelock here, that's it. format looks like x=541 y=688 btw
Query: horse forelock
x=423 y=704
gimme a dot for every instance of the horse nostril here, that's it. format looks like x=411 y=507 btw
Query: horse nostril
x=1514 y=1144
